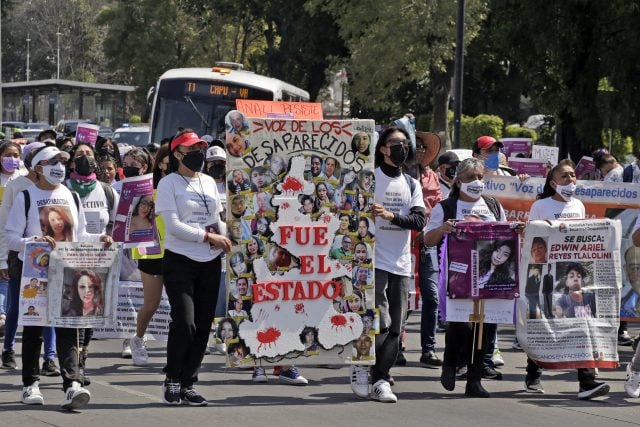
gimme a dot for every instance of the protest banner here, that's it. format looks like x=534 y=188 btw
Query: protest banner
x=34 y=285
x=300 y=274
x=515 y=146
x=483 y=261
x=531 y=167
x=87 y=133
x=586 y=168
x=135 y=223
x=569 y=317
x=130 y=299
x=615 y=200
x=269 y=109
x=74 y=285
x=542 y=152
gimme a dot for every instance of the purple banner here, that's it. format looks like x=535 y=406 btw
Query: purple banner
x=514 y=146
x=531 y=167
x=483 y=261
x=135 y=223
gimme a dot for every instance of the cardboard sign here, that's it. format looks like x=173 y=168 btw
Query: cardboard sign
x=280 y=109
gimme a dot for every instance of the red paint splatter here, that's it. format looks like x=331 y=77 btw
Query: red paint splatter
x=285 y=205
x=299 y=308
x=292 y=184
x=327 y=219
x=268 y=337
x=338 y=321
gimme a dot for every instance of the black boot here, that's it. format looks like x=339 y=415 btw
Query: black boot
x=448 y=377
x=475 y=389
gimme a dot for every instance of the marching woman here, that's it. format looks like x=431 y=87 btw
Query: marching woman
x=25 y=225
x=465 y=202
x=556 y=202
x=189 y=204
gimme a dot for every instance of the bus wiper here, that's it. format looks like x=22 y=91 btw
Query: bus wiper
x=204 y=121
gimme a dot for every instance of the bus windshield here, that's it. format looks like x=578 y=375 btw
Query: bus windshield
x=200 y=105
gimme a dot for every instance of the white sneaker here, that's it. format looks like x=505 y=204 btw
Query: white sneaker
x=75 y=396
x=359 y=376
x=381 y=391
x=126 y=349
x=138 y=350
x=259 y=375
x=496 y=358
x=632 y=382
x=31 y=395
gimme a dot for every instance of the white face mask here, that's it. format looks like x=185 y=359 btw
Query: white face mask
x=472 y=189
x=54 y=174
x=566 y=191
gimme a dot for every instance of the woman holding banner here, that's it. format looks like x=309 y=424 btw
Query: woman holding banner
x=557 y=202
x=49 y=164
x=465 y=200
x=189 y=204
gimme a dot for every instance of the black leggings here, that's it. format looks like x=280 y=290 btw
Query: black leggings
x=192 y=289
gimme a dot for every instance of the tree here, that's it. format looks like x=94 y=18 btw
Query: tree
x=396 y=45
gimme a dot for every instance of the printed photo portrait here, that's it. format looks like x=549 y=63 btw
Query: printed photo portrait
x=366 y=229
x=309 y=337
x=142 y=218
x=36 y=261
x=31 y=311
x=324 y=194
x=332 y=170
x=360 y=144
x=236 y=144
x=241 y=288
x=342 y=248
x=259 y=179
x=84 y=293
x=261 y=227
x=237 y=181
x=276 y=167
x=362 y=253
x=315 y=168
x=262 y=204
x=238 y=352
x=630 y=293
x=353 y=303
x=56 y=221
x=279 y=259
x=227 y=329
x=308 y=204
x=496 y=263
x=538 y=251
x=532 y=290
x=236 y=123
x=362 y=348
x=362 y=277
x=347 y=224
x=253 y=248
x=573 y=299
x=239 y=265
x=366 y=181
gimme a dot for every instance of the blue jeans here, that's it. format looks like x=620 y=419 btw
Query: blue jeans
x=428 y=271
x=11 y=325
x=4 y=288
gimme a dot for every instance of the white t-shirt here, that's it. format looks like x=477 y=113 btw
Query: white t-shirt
x=392 y=249
x=57 y=207
x=5 y=179
x=549 y=208
x=466 y=211
x=614 y=175
x=10 y=191
x=186 y=197
x=96 y=209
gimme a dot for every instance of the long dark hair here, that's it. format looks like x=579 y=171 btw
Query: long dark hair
x=162 y=152
x=384 y=136
x=502 y=273
x=547 y=190
x=96 y=284
x=572 y=266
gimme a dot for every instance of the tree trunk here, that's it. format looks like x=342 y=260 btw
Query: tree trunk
x=441 y=96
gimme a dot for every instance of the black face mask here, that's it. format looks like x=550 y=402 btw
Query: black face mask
x=216 y=171
x=84 y=165
x=130 y=171
x=193 y=160
x=398 y=154
x=450 y=172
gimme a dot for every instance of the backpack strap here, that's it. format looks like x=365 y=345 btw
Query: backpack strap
x=493 y=206
x=111 y=198
x=449 y=207
x=27 y=203
x=410 y=182
x=76 y=199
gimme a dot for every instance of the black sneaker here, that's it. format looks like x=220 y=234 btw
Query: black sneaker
x=9 y=359
x=190 y=396
x=401 y=360
x=533 y=385
x=448 y=377
x=592 y=389
x=430 y=360
x=49 y=368
x=625 y=339
x=171 y=392
x=491 y=374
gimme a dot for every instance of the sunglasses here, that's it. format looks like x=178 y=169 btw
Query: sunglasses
x=53 y=162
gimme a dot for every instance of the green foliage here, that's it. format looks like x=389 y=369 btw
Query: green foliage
x=515 y=131
x=135 y=119
x=617 y=144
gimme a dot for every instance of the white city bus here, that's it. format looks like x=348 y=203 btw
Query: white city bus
x=199 y=98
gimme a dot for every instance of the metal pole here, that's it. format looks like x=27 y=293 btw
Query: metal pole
x=58 y=61
x=28 y=43
x=457 y=83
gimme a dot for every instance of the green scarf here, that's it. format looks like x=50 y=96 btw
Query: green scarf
x=83 y=187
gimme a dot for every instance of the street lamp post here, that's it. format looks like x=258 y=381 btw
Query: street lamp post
x=58 y=34
x=459 y=67
x=28 y=43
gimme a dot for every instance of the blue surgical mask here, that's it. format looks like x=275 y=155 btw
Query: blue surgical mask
x=492 y=161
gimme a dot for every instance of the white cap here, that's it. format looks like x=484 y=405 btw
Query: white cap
x=216 y=153
x=48 y=153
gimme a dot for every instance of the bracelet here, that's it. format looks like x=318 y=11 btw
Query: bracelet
x=206 y=237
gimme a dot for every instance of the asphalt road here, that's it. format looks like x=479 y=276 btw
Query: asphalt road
x=124 y=395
